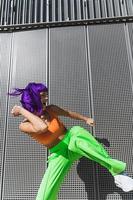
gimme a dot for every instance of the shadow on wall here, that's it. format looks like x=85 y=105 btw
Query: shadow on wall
x=107 y=188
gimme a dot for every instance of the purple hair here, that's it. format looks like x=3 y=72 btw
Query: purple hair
x=30 y=96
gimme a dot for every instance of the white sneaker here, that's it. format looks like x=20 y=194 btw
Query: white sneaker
x=124 y=182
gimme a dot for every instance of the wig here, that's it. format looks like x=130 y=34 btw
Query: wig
x=30 y=96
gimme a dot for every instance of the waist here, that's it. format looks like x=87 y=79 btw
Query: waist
x=57 y=140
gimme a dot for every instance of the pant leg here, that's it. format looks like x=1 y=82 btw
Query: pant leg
x=83 y=143
x=58 y=166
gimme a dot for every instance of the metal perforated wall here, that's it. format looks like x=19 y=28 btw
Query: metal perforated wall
x=69 y=69
x=24 y=160
x=88 y=69
x=112 y=98
x=34 y=11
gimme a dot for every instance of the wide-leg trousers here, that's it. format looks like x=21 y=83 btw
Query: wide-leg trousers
x=77 y=142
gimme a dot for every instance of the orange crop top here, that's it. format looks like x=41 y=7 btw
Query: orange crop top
x=55 y=129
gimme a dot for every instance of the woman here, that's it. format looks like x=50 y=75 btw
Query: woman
x=65 y=145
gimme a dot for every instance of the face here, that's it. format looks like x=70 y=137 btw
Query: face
x=44 y=97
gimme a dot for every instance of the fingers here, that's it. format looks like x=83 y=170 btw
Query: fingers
x=14 y=110
x=92 y=123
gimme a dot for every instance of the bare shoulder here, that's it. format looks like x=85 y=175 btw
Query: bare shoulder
x=58 y=110
x=51 y=108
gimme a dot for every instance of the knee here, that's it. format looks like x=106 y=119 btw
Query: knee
x=75 y=129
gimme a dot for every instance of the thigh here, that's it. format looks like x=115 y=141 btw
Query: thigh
x=79 y=133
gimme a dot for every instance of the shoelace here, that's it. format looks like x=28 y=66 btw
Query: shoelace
x=124 y=173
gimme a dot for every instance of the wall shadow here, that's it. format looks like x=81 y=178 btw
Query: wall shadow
x=105 y=181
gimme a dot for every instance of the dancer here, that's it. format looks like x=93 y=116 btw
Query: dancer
x=65 y=145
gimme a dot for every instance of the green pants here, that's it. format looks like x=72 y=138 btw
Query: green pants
x=77 y=142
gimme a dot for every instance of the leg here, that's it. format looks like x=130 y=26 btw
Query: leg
x=83 y=143
x=58 y=167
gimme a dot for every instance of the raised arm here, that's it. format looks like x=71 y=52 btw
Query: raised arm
x=67 y=113
x=34 y=124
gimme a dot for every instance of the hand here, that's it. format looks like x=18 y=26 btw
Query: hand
x=90 y=121
x=16 y=111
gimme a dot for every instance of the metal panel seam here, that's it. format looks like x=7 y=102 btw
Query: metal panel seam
x=90 y=96
x=47 y=71
x=129 y=54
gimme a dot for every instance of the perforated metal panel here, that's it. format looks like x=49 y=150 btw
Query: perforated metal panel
x=68 y=86
x=112 y=100
x=88 y=72
x=25 y=160
x=5 y=59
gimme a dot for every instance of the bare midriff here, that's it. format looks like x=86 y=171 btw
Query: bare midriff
x=54 y=134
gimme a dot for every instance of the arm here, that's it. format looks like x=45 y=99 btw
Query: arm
x=27 y=127
x=67 y=113
x=34 y=124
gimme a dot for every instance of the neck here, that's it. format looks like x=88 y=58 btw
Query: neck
x=44 y=108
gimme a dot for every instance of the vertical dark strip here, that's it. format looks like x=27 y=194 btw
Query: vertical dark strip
x=44 y=11
x=88 y=10
x=113 y=7
x=94 y=9
x=127 y=8
x=5 y=12
x=69 y=9
x=107 y=8
x=1 y=12
x=20 y=11
x=27 y=10
x=56 y=10
x=33 y=11
x=82 y=9
x=16 y=12
x=38 y=17
x=8 y=11
x=23 y=12
x=75 y=9
x=41 y=8
x=120 y=7
x=62 y=9
x=101 y=12
x=50 y=10
x=0 y=9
